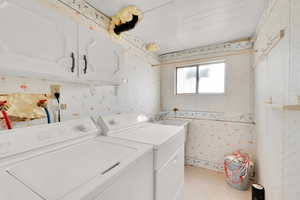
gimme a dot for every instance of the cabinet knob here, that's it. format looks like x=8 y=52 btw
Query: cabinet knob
x=82 y=128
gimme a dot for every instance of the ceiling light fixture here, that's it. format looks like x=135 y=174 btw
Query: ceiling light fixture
x=125 y=20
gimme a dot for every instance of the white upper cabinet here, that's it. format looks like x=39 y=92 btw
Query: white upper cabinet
x=99 y=55
x=36 y=41
x=39 y=42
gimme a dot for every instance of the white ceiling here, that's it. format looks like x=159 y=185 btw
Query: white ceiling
x=182 y=24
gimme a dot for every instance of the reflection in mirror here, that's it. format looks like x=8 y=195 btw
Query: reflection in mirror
x=23 y=107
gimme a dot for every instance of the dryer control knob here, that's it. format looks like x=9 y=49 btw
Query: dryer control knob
x=82 y=128
x=112 y=122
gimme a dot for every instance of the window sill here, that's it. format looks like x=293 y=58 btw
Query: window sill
x=201 y=94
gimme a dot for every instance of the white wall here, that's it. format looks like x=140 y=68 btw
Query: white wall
x=210 y=140
x=142 y=92
x=83 y=100
x=220 y=124
x=239 y=90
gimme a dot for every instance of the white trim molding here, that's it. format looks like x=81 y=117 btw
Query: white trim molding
x=207 y=51
x=247 y=118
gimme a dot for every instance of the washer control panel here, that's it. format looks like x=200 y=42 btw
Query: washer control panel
x=25 y=139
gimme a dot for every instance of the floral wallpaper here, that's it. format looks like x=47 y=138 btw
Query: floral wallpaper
x=84 y=100
x=206 y=50
x=213 y=135
x=216 y=116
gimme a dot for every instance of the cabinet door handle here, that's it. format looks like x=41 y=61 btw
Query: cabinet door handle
x=73 y=62
x=85 y=64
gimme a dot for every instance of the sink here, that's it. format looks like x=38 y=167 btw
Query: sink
x=173 y=122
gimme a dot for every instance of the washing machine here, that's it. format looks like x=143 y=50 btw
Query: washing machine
x=70 y=161
x=168 y=147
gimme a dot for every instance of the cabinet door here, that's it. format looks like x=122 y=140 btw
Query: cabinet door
x=99 y=55
x=170 y=178
x=295 y=52
x=36 y=41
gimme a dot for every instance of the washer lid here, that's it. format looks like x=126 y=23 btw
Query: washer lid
x=57 y=174
x=121 y=121
x=148 y=133
x=11 y=189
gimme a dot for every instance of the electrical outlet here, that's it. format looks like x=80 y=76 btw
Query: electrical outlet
x=54 y=89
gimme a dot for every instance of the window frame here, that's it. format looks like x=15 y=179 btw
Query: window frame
x=197 y=79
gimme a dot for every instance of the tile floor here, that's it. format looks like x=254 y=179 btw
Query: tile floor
x=203 y=184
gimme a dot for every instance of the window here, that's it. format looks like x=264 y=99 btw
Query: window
x=201 y=79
